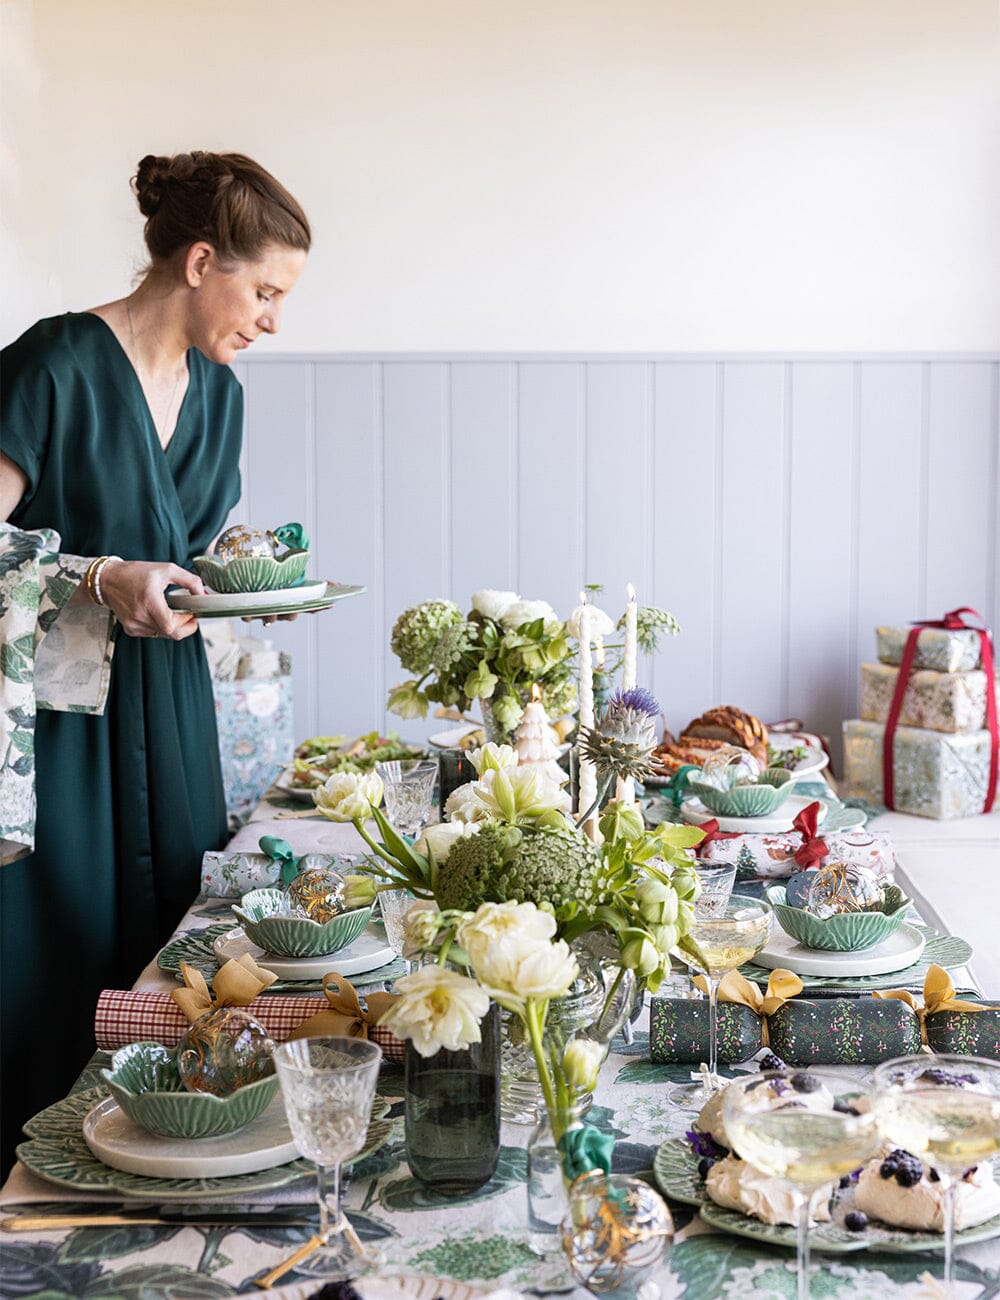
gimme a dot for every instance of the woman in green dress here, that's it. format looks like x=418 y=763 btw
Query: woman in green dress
x=121 y=430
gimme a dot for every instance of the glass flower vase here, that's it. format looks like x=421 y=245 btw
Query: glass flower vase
x=548 y=1197
x=452 y=1112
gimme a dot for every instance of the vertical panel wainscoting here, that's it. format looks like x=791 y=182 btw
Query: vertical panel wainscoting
x=779 y=506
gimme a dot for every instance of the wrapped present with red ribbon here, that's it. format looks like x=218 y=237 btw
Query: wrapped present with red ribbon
x=929 y=773
x=783 y=853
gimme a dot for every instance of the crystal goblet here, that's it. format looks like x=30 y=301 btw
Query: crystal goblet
x=327 y=1085
x=409 y=791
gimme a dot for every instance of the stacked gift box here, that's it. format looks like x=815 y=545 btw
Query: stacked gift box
x=942 y=747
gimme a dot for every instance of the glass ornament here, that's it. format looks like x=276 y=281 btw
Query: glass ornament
x=616 y=1233
x=223 y=1050
x=317 y=893
x=842 y=887
x=727 y=768
x=242 y=540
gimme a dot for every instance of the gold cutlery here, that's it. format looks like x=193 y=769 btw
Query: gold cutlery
x=268 y=1280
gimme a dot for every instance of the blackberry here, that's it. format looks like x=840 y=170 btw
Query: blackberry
x=908 y=1176
x=856 y=1221
x=704 y=1165
x=770 y=1062
x=968 y=1174
x=337 y=1291
x=845 y=1182
x=805 y=1083
x=933 y=1175
x=844 y=1107
x=947 y=1078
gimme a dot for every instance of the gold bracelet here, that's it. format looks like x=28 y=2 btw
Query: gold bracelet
x=89 y=579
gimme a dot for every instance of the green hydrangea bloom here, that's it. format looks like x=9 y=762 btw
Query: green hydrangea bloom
x=548 y=866
x=451 y=645
x=417 y=631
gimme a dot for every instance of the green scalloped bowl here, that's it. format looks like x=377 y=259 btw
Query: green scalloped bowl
x=146 y=1083
x=247 y=573
x=293 y=936
x=771 y=790
x=847 y=932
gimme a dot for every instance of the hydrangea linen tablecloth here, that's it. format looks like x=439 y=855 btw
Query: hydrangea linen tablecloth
x=480 y=1239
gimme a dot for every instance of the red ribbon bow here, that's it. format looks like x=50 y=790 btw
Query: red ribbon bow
x=953 y=621
x=712 y=832
x=814 y=848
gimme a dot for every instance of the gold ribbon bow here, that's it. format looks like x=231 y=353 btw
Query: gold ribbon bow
x=939 y=995
x=344 y=1017
x=235 y=984
x=782 y=985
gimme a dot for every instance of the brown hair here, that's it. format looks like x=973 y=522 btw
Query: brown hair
x=226 y=199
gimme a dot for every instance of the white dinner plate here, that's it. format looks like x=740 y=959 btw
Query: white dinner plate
x=367 y=952
x=238 y=604
x=900 y=950
x=116 y=1141
x=693 y=810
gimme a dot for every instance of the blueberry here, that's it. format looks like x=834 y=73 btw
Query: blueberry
x=947 y=1078
x=968 y=1173
x=933 y=1175
x=845 y=1181
x=887 y=1169
x=856 y=1221
x=770 y=1062
x=704 y=1165
x=845 y=1108
x=805 y=1083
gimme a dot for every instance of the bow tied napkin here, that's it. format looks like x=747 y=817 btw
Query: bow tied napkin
x=235 y=984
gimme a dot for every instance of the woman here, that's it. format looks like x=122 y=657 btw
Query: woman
x=121 y=430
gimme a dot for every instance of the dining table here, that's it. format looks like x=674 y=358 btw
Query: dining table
x=155 y=1240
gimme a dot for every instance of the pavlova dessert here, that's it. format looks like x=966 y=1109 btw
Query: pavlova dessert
x=895 y=1188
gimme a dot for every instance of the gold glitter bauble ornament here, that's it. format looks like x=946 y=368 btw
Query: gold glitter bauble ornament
x=317 y=893
x=224 y=1049
x=842 y=887
x=242 y=540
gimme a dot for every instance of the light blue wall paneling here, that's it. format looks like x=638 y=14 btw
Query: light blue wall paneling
x=780 y=507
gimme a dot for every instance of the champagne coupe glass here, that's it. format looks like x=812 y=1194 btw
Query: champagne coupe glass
x=409 y=792
x=726 y=939
x=946 y=1110
x=327 y=1085
x=769 y=1127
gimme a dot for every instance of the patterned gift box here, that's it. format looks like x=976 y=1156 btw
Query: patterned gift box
x=941 y=701
x=936 y=774
x=255 y=737
x=945 y=650
x=773 y=856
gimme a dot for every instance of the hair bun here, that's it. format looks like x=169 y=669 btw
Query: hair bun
x=148 y=183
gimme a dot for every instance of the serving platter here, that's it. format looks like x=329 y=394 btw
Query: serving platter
x=895 y=953
x=815 y=759
x=293 y=600
x=58 y=1153
x=304 y=794
x=675 y=1169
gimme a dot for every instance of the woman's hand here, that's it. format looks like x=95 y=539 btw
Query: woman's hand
x=133 y=591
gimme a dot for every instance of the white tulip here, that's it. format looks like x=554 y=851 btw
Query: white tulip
x=436 y=841
x=349 y=796
x=438 y=1008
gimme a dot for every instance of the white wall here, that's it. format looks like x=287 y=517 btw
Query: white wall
x=536 y=174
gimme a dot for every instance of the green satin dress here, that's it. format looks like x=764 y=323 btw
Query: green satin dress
x=127 y=802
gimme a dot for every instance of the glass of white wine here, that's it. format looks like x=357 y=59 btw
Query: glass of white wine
x=725 y=938
x=806 y=1145
x=946 y=1110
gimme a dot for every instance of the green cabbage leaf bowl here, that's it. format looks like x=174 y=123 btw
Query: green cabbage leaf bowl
x=248 y=573
x=294 y=936
x=846 y=932
x=770 y=791
x=146 y=1083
